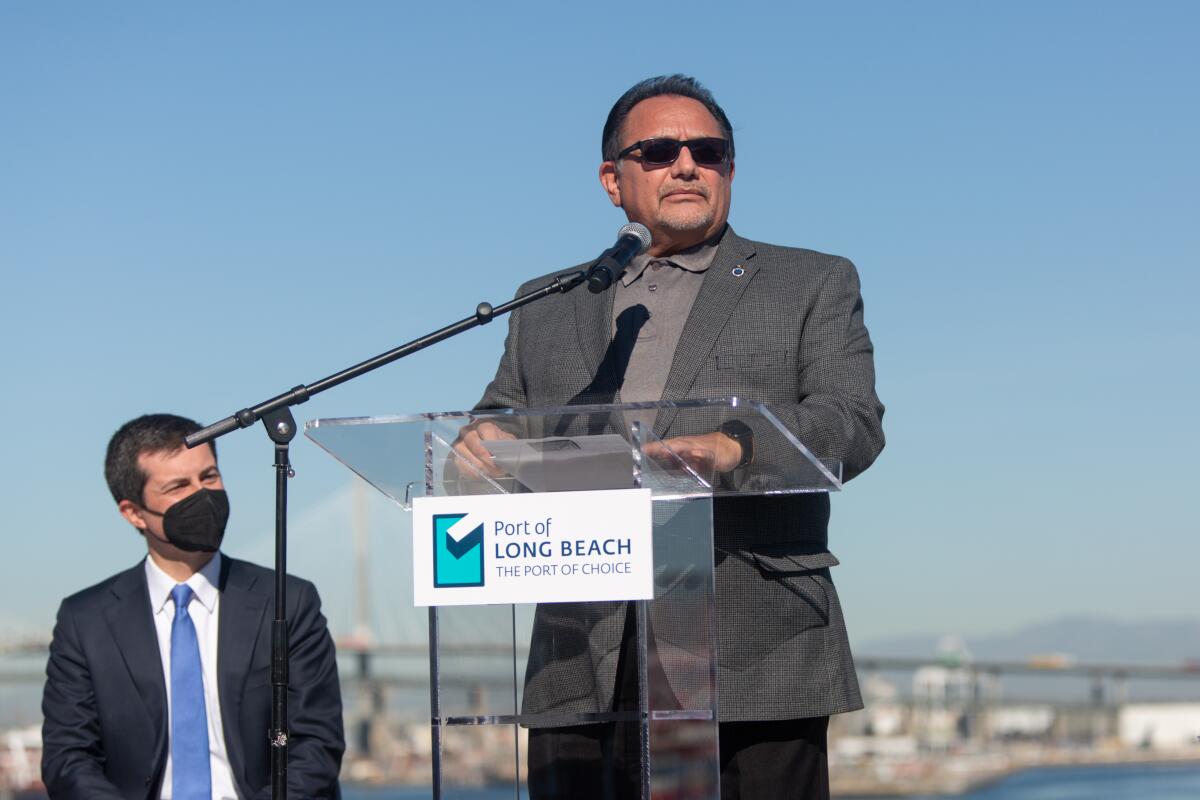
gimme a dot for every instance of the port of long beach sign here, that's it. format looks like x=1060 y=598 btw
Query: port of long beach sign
x=551 y=547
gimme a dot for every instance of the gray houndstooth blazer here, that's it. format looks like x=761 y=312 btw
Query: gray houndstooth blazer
x=780 y=325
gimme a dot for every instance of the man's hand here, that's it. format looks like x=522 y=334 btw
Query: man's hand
x=469 y=445
x=706 y=453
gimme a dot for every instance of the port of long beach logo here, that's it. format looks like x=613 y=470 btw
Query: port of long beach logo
x=457 y=550
x=536 y=547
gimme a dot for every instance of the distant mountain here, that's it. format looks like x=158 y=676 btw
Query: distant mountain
x=1087 y=639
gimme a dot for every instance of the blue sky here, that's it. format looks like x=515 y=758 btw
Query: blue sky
x=203 y=205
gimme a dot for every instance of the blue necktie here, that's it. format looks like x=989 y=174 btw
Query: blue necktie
x=190 y=775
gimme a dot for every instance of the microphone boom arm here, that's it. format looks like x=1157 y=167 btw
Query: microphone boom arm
x=484 y=313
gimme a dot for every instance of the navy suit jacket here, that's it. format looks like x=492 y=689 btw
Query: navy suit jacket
x=105 y=734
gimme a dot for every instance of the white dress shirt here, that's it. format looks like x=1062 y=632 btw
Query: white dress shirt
x=203 y=611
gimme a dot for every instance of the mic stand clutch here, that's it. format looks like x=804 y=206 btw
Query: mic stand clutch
x=276 y=416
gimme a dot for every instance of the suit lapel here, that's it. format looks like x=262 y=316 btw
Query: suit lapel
x=131 y=622
x=243 y=605
x=593 y=315
x=726 y=280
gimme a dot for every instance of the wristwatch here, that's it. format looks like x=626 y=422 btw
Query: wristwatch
x=741 y=433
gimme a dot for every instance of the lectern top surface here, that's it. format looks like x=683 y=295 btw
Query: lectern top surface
x=575 y=448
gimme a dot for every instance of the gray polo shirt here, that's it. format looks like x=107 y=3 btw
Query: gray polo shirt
x=650 y=305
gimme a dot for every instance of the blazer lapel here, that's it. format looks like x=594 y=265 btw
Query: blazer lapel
x=131 y=623
x=243 y=605
x=593 y=315
x=730 y=273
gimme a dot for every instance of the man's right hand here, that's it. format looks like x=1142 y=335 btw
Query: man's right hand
x=469 y=446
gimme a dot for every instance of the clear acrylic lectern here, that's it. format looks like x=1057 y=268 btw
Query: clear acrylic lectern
x=648 y=668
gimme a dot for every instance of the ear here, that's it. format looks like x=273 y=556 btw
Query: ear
x=132 y=514
x=608 y=179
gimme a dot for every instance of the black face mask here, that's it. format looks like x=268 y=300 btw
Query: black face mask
x=197 y=522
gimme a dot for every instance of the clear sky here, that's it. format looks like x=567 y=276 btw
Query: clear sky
x=202 y=205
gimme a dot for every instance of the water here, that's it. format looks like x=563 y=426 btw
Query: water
x=423 y=793
x=1121 y=782
x=1125 y=782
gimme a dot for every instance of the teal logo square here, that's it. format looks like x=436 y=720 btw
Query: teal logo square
x=457 y=555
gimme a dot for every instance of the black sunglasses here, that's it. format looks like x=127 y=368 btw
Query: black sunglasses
x=709 y=151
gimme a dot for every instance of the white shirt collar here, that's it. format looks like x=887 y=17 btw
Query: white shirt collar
x=203 y=583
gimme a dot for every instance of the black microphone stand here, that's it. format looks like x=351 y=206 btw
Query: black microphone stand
x=277 y=418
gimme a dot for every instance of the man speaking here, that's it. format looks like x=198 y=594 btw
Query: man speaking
x=705 y=313
x=158 y=683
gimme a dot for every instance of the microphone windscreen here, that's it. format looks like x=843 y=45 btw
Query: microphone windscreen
x=640 y=231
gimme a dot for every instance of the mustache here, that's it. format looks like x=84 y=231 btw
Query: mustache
x=686 y=186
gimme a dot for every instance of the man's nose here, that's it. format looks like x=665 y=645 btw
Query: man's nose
x=684 y=166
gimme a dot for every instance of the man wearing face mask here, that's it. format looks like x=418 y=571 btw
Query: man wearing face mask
x=158 y=683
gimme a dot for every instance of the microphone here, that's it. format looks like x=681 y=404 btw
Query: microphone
x=632 y=239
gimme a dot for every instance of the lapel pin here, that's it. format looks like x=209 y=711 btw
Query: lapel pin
x=738 y=271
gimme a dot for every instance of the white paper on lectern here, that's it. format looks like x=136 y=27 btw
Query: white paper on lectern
x=566 y=463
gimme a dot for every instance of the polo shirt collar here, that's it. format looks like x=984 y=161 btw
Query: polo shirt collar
x=697 y=258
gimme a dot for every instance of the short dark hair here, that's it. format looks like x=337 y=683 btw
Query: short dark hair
x=680 y=85
x=150 y=433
